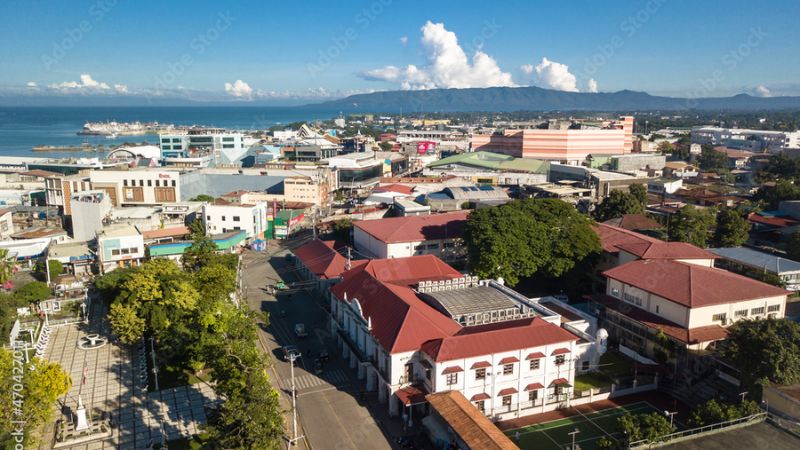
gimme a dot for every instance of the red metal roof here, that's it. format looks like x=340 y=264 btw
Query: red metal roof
x=452 y=369
x=534 y=386
x=509 y=360
x=514 y=335
x=612 y=237
x=481 y=396
x=481 y=364
x=321 y=259
x=779 y=222
x=399 y=188
x=411 y=395
x=558 y=381
x=415 y=228
x=401 y=321
x=666 y=250
x=560 y=351
x=690 y=336
x=506 y=391
x=166 y=232
x=691 y=285
x=535 y=355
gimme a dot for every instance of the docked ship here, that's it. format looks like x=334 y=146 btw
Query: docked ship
x=125 y=128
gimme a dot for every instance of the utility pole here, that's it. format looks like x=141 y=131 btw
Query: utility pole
x=155 y=367
x=573 y=437
x=295 y=437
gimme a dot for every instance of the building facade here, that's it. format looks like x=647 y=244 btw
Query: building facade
x=252 y=219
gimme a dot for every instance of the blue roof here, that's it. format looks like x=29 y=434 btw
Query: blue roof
x=759 y=260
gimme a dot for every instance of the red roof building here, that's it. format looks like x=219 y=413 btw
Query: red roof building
x=395 y=321
x=318 y=261
x=398 y=237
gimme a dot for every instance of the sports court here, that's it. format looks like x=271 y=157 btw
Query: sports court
x=554 y=435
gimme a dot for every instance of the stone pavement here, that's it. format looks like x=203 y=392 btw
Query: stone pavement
x=106 y=379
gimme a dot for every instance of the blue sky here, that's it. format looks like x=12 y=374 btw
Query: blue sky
x=316 y=49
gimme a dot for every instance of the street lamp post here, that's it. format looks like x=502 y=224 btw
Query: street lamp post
x=671 y=416
x=573 y=437
x=743 y=395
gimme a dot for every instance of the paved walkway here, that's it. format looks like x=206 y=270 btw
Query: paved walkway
x=106 y=379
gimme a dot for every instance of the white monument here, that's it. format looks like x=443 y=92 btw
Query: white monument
x=81 y=423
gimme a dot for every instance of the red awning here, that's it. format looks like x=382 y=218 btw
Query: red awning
x=509 y=360
x=558 y=381
x=506 y=391
x=534 y=387
x=452 y=369
x=481 y=365
x=536 y=355
x=560 y=351
x=479 y=397
x=411 y=395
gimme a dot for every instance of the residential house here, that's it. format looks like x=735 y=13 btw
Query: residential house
x=397 y=237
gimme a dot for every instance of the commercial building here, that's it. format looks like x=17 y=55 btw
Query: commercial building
x=414 y=326
x=601 y=181
x=570 y=146
x=138 y=187
x=119 y=246
x=490 y=168
x=745 y=139
x=398 y=237
x=218 y=145
x=89 y=209
x=357 y=170
x=320 y=263
x=60 y=188
x=222 y=218
x=6 y=223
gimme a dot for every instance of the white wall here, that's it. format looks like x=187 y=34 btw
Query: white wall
x=220 y=218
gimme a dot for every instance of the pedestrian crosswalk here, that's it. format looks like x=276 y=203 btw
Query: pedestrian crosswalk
x=335 y=377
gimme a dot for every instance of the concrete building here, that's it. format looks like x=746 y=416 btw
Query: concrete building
x=745 y=139
x=59 y=190
x=357 y=170
x=252 y=219
x=6 y=223
x=138 y=187
x=218 y=145
x=603 y=182
x=638 y=163
x=570 y=146
x=89 y=209
x=119 y=246
x=398 y=237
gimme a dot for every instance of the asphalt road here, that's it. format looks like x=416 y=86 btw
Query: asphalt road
x=329 y=410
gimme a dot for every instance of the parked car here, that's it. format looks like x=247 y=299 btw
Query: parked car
x=289 y=350
x=300 y=330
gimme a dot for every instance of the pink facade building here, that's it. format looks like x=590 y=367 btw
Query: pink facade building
x=560 y=145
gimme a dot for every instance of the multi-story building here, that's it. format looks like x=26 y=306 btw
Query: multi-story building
x=415 y=325
x=665 y=296
x=398 y=237
x=357 y=170
x=570 y=146
x=252 y=219
x=138 y=187
x=119 y=246
x=89 y=209
x=746 y=139
x=218 y=145
x=60 y=188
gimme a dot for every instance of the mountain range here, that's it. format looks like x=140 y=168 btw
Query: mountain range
x=533 y=98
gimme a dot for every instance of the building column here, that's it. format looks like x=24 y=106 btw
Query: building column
x=362 y=371
x=353 y=360
x=382 y=391
x=345 y=350
x=394 y=406
x=371 y=379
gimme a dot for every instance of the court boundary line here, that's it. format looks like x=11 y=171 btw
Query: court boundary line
x=594 y=424
x=643 y=403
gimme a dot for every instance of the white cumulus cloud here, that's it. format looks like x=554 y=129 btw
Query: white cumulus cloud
x=762 y=91
x=591 y=85
x=121 y=88
x=404 y=40
x=31 y=84
x=448 y=65
x=86 y=83
x=527 y=69
x=239 y=89
x=554 y=75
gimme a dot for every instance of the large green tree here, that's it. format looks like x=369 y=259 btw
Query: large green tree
x=732 y=229
x=617 y=204
x=764 y=351
x=639 y=191
x=28 y=393
x=692 y=225
x=774 y=194
x=528 y=237
x=712 y=160
x=653 y=427
x=33 y=292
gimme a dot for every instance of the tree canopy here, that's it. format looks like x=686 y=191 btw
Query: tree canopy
x=793 y=246
x=202 y=198
x=33 y=292
x=617 y=204
x=782 y=190
x=732 y=229
x=640 y=192
x=692 y=225
x=40 y=383
x=712 y=412
x=764 y=351
x=528 y=237
x=712 y=160
x=653 y=427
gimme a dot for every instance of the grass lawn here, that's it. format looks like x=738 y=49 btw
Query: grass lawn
x=614 y=364
x=591 y=381
x=174 y=376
